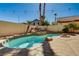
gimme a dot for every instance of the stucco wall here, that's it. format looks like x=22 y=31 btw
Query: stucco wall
x=55 y=28
x=7 y=28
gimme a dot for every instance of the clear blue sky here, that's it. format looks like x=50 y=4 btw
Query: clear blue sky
x=28 y=11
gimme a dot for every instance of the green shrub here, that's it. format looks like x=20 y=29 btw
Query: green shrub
x=66 y=29
x=70 y=27
x=46 y=23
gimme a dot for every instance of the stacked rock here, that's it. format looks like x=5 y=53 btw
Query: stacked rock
x=49 y=39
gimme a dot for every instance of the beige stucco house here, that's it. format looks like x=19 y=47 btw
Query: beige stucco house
x=67 y=20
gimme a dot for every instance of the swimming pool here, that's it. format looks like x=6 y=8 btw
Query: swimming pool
x=28 y=41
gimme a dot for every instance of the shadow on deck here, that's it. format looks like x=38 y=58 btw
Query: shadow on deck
x=4 y=51
x=47 y=49
x=23 y=52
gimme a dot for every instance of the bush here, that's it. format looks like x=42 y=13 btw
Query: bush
x=72 y=25
x=70 y=28
x=66 y=29
x=46 y=23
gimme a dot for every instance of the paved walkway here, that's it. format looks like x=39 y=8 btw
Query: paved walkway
x=66 y=46
x=58 y=47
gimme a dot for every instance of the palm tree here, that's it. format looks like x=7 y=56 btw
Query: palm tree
x=55 y=14
x=42 y=17
x=40 y=9
x=40 y=13
x=44 y=9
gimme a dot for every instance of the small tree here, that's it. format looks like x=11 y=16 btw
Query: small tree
x=72 y=27
x=53 y=23
x=46 y=23
x=66 y=29
x=24 y=23
x=29 y=22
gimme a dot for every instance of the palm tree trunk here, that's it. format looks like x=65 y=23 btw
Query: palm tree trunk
x=42 y=17
x=40 y=9
x=44 y=10
x=27 y=28
x=40 y=13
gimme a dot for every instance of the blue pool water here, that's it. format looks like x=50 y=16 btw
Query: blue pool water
x=28 y=41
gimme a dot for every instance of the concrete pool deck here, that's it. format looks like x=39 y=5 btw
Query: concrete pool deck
x=62 y=46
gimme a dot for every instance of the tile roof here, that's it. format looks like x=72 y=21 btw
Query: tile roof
x=70 y=18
